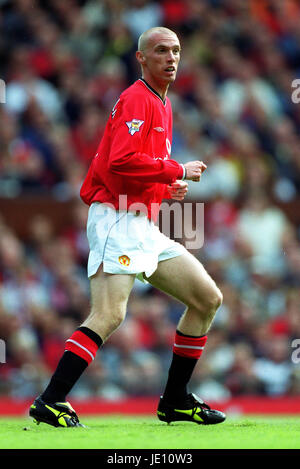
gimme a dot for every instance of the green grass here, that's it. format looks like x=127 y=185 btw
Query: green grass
x=115 y=432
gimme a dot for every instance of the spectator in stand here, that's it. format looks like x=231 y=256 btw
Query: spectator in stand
x=262 y=227
x=275 y=370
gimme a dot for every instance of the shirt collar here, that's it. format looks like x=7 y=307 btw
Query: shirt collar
x=153 y=90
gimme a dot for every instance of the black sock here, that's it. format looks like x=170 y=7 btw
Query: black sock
x=180 y=373
x=72 y=364
x=68 y=371
x=186 y=352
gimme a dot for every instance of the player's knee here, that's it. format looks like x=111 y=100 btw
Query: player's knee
x=207 y=305
x=217 y=299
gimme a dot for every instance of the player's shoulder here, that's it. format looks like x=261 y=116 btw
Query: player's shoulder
x=136 y=90
x=141 y=96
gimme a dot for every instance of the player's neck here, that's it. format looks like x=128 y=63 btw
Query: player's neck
x=160 y=89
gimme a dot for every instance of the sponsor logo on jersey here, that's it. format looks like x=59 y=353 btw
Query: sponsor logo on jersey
x=158 y=129
x=134 y=126
x=124 y=260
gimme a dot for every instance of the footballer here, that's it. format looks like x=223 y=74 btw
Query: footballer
x=130 y=175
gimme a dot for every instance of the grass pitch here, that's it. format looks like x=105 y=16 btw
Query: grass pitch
x=114 y=432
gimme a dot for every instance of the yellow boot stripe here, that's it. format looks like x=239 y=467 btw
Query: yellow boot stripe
x=61 y=419
x=54 y=411
x=190 y=413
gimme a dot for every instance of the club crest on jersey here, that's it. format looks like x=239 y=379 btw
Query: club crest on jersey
x=134 y=126
x=124 y=260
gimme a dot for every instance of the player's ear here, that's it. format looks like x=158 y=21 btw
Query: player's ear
x=140 y=57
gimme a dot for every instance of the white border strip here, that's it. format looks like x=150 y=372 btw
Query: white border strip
x=82 y=347
x=188 y=346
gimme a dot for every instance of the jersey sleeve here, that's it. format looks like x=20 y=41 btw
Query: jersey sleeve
x=131 y=124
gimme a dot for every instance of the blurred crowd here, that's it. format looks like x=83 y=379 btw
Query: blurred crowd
x=64 y=64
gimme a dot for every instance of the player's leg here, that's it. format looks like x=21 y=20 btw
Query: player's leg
x=109 y=295
x=185 y=279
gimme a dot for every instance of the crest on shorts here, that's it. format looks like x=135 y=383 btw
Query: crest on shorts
x=134 y=126
x=124 y=260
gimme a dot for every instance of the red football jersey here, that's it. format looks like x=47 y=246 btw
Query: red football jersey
x=133 y=157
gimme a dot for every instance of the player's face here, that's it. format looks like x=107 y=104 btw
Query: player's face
x=162 y=57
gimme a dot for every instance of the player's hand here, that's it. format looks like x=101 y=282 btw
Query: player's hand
x=178 y=189
x=194 y=169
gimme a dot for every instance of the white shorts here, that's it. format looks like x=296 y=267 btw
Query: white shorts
x=126 y=242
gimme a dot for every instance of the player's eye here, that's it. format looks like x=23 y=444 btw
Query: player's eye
x=163 y=50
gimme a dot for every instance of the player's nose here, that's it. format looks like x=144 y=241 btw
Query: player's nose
x=171 y=57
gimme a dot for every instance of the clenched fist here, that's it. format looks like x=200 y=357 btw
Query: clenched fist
x=194 y=169
x=178 y=189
